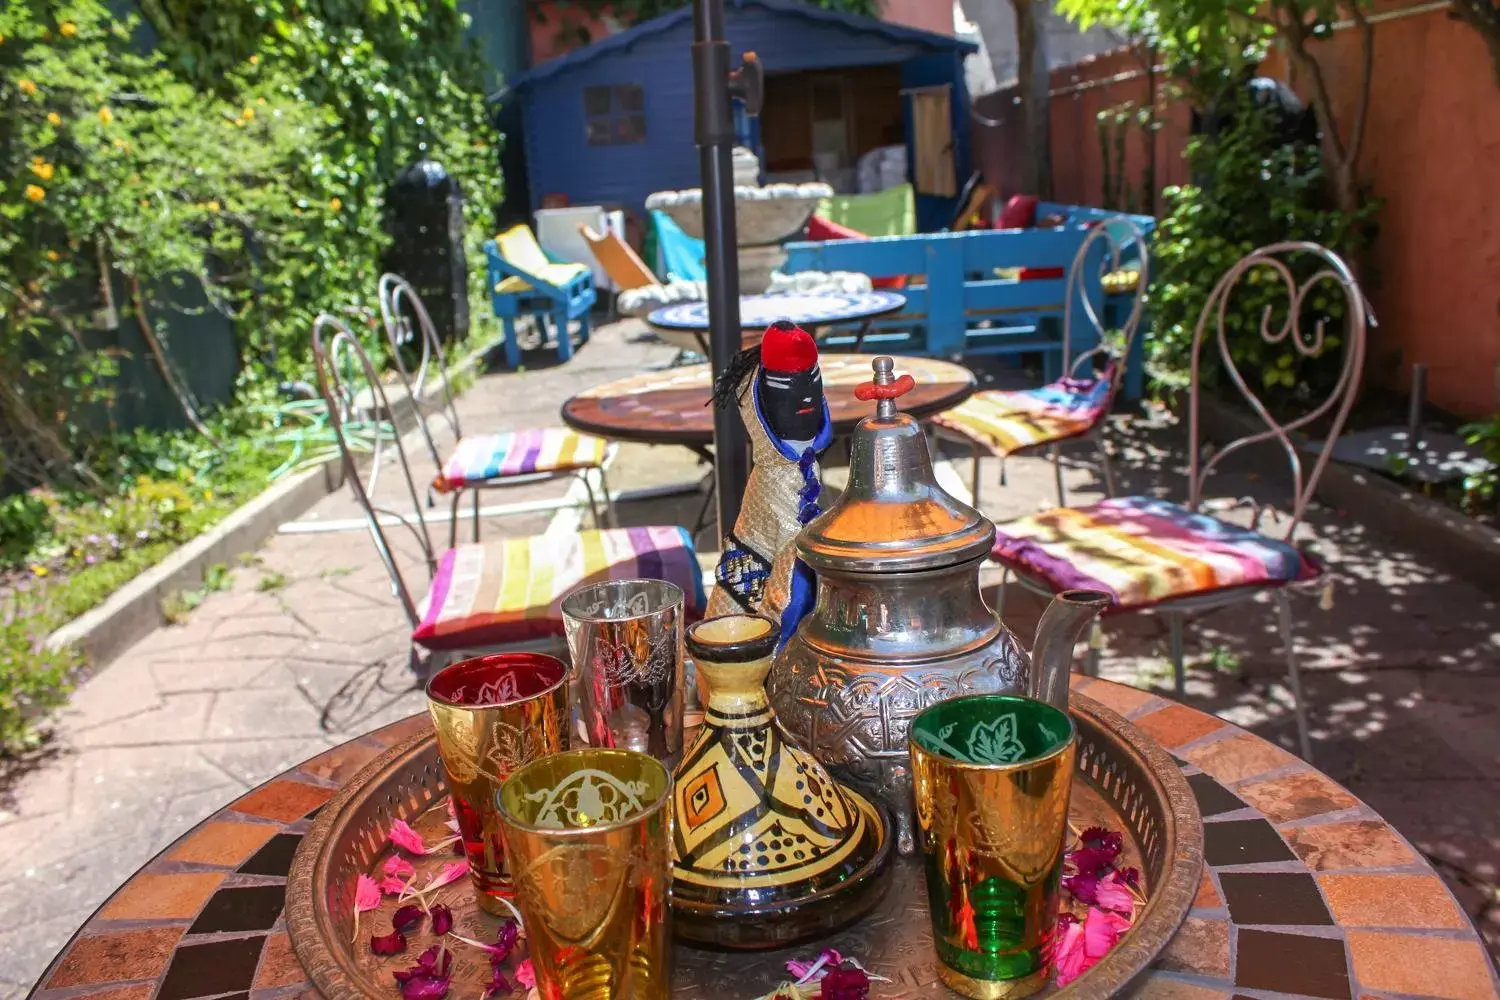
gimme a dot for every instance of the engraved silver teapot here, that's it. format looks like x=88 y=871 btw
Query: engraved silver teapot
x=899 y=622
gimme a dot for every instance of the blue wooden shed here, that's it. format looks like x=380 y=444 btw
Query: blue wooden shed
x=612 y=122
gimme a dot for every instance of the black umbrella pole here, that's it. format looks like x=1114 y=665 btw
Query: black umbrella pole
x=714 y=131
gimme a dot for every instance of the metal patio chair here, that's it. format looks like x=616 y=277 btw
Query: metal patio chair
x=500 y=593
x=484 y=461
x=1179 y=561
x=1003 y=422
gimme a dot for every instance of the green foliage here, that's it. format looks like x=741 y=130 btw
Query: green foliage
x=1252 y=192
x=569 y=15
x=177 y=607
x=33 y=678
x=1483 y=488
x=24 y=519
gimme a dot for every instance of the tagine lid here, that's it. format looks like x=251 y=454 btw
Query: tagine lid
x=893 y=516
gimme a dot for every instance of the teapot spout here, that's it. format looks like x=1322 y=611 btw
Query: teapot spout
x=1057 y=633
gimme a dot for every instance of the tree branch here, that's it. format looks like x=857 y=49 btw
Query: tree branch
x=162 y=364
x=1367 y=74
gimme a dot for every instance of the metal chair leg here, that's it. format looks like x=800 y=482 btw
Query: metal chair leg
x=476 y=517
x=1179 y=674
x=588 y=488
x=1096 y=649
x=1105 y=465
x=1000 y=594
x=974 y=477
x=1293 y=675
x=1062 y=491
x=453 y=520
x=611 y=519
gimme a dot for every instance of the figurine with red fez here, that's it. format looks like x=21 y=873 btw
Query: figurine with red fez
x=779 y=389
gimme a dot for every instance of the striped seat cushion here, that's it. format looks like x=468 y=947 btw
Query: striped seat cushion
x=510 y=590
x=518 y=453
x=1144 y=551
x=1006 y=422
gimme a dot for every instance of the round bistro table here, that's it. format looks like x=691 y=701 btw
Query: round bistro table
x=671 y=406
x=684 y=325
x=1306 y=892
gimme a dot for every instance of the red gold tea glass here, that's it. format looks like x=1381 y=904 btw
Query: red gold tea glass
x=494 y=714
x=588 y=834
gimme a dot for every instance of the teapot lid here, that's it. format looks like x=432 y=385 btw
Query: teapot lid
x=893 y=516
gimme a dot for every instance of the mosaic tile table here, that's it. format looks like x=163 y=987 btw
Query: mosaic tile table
x=670 y=407
x=1307 y=893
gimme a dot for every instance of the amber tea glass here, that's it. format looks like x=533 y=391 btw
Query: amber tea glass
x=588 y=835
x=992 y=774
x=492 y=715
x=625 y=637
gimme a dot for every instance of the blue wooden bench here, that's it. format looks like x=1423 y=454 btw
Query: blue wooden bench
x=956 y=304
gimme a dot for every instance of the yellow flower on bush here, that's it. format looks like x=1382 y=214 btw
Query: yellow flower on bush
x=53 y=118
x=336 y=204
x=105 y=115
x=122 y=145
x=41 y=168
x=213 y=206
x=35 y=193
x=68 y=29
x=248 y=114
x=54 y=256
x=26 y=87
x=39 y=570
x=255 y=60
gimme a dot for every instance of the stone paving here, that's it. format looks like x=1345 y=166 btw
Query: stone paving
x=307 y=649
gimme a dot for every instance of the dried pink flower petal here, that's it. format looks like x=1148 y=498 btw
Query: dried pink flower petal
x=404 y=837
x=407 y=917
x=525 y=974
x=390 y=944
x=806 y=971
x=1064 y=950
x=398 y=867
x=1111 y=894
x=366 y=894
x=846 y=982
x=450 y=873
x=393 y=886
x=1102 y=930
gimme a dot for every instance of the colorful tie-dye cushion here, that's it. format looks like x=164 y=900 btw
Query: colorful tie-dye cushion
x=518 y=453
x=1007 y=421
x=510 y=590
x=1144 y=551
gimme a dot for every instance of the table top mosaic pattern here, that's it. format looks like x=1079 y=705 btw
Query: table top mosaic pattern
x=670 y=406
x=759 y=311
x=1306 y=892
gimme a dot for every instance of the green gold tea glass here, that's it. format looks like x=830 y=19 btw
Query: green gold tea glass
x=588 y=835
x=992 y=775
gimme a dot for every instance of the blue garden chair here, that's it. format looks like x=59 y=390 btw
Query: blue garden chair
x=525 y=281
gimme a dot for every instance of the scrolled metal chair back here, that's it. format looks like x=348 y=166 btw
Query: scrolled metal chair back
x=399 y=302
x=1333 y=270
x=360 y=414
x=1119 y=235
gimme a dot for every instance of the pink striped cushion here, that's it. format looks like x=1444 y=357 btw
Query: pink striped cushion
x=489 y=457
x=1006 y=422
x=1144 y=551
x=510 y=590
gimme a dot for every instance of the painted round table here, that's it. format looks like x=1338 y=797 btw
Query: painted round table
x=684 y=325
x=670 y=406
x=1306 y=891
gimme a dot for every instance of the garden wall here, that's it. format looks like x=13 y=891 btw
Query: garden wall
x=1431 y=151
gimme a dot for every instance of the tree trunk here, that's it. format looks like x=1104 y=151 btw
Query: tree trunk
x=1484 y=17
x=1033 y=83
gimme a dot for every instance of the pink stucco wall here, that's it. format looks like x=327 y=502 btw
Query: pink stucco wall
x=929 y=15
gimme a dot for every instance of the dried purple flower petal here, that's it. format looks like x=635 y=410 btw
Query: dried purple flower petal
x=393 y=943
x=1099 y=838
x=1084 y=888
x=428 y=979
x=442 y=919
x=505 y=940
x=1091 y=862
x=407 y=917
x=847 y=982
x=1129 y=876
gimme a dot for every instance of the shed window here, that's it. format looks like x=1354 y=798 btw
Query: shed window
x=615 y=116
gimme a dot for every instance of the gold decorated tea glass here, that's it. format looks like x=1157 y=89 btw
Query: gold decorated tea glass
x=492 y=715
x=588 y=834
x=992 y=774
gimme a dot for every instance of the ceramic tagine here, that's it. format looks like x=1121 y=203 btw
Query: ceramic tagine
x=767 y=848
x=899 y=622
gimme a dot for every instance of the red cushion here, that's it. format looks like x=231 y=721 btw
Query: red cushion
x=1019 y=213
x=819 y=228
x=1041 y=273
